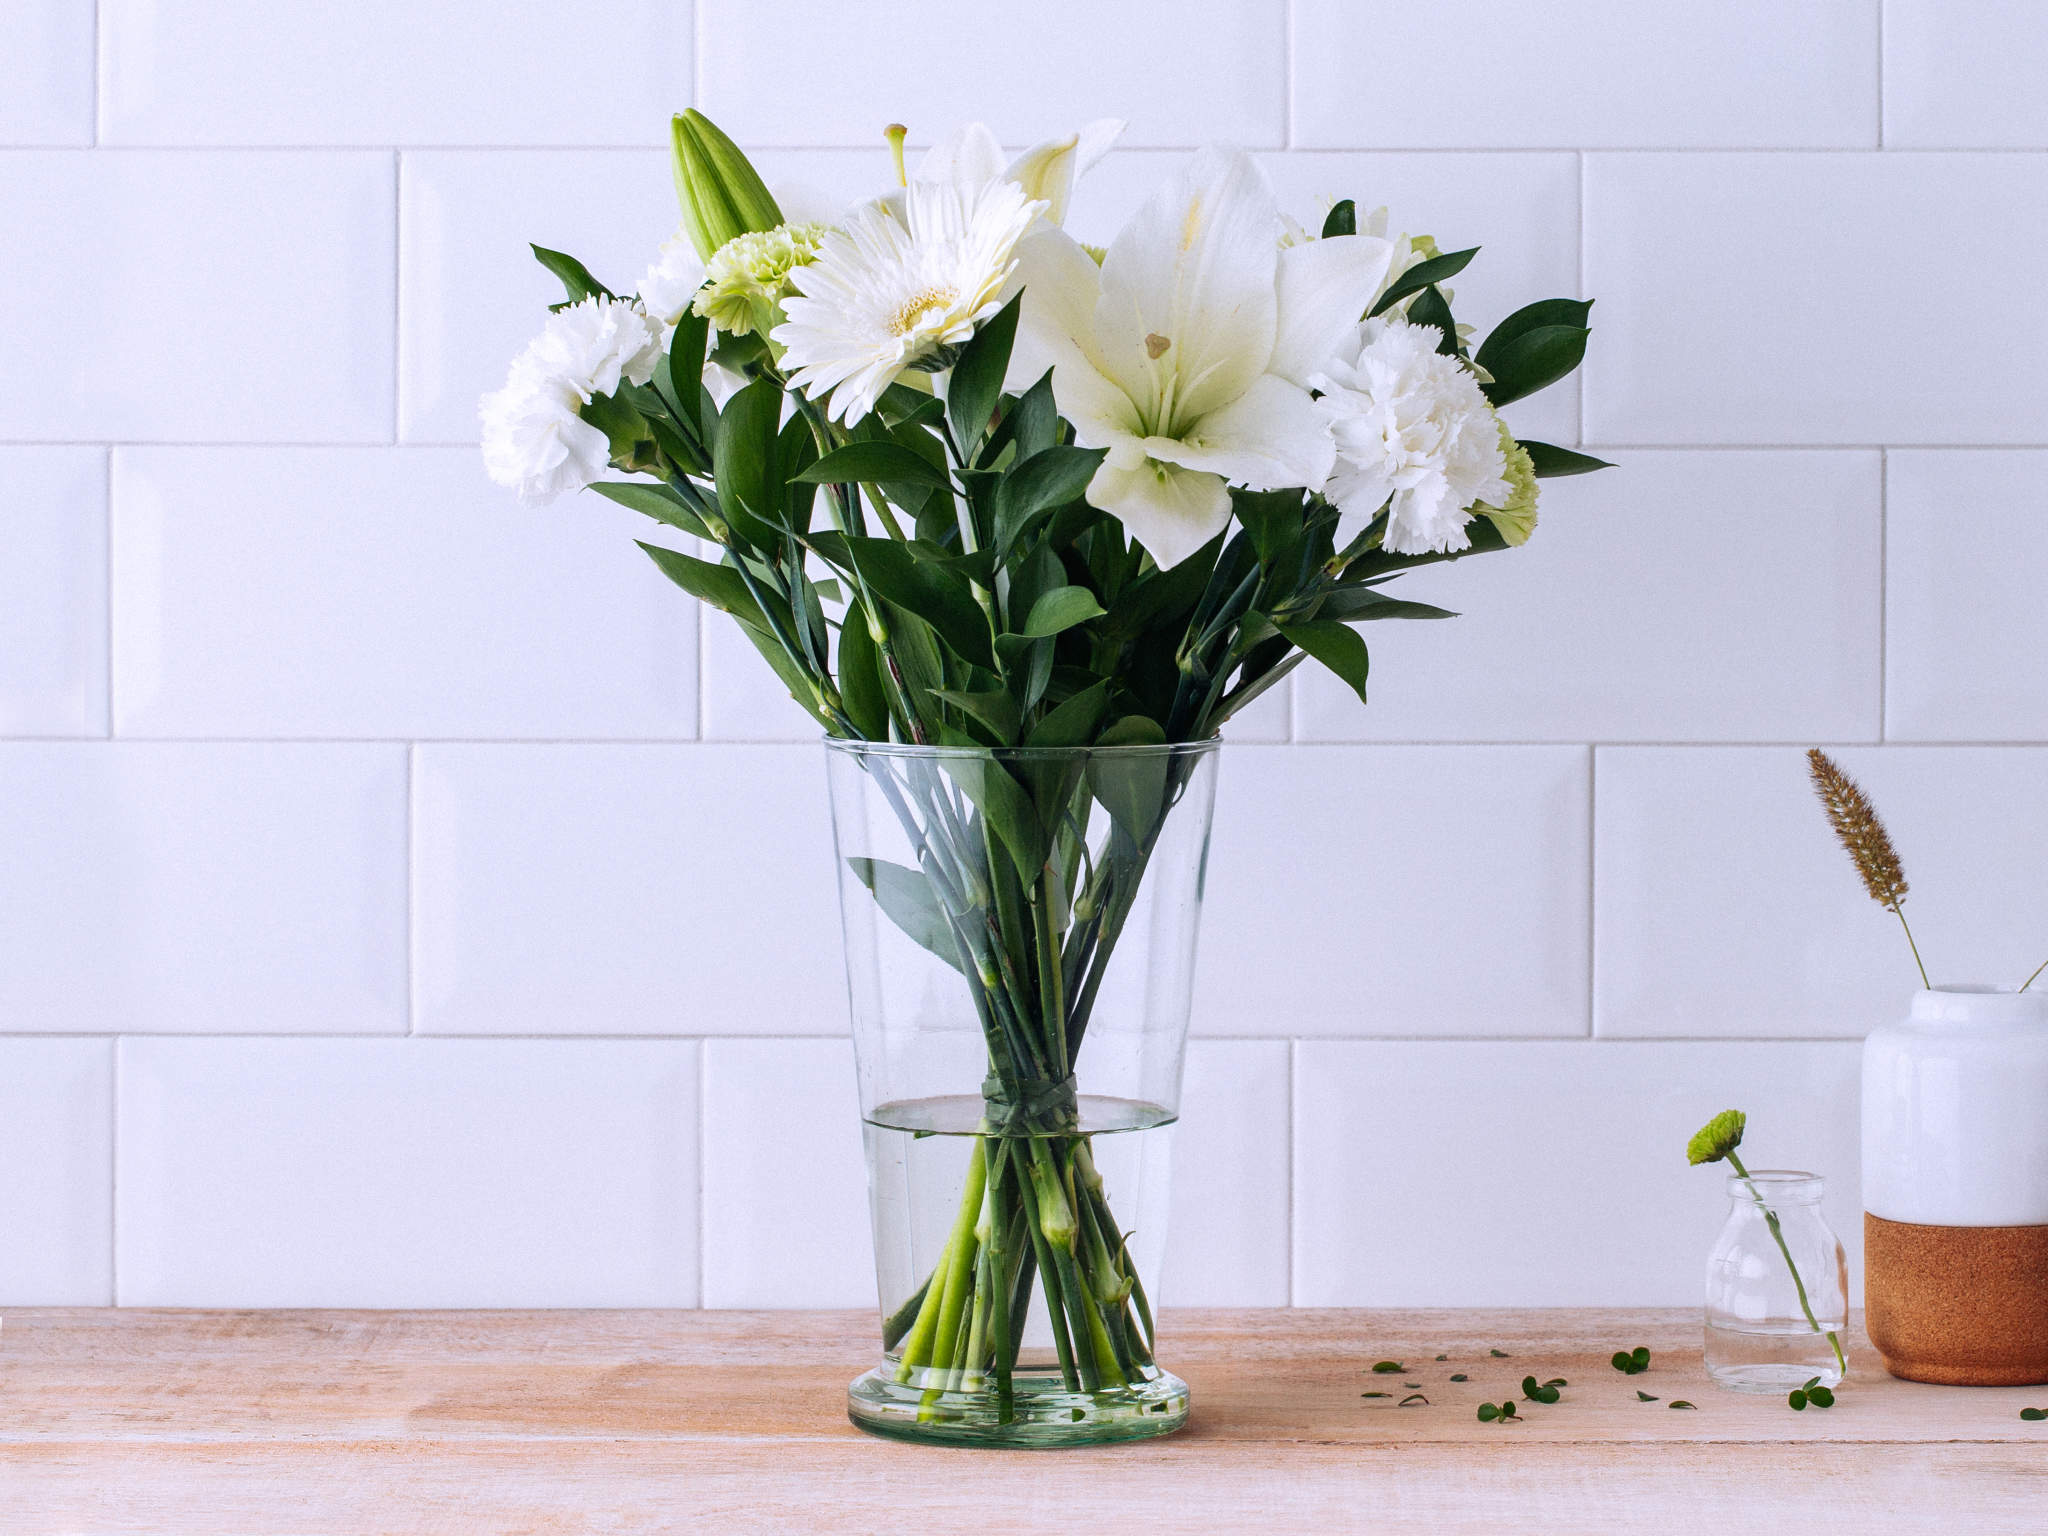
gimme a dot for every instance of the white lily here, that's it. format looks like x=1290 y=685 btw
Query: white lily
x=1187 y=353
x=1047 y=171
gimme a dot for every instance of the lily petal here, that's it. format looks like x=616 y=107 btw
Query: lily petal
x=1048 y=171
x=969 y=154
x=1056 y=330
x=1268 y=437
x=1188 y=309
x=1171 y=511
x=1326 y=286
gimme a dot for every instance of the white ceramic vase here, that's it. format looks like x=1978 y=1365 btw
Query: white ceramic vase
x=1955 y=1187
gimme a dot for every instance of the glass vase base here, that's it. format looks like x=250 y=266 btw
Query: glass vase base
x=1043 y=1416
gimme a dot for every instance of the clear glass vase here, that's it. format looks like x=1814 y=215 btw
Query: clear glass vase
x=1020 y=942
x=1777 y=1287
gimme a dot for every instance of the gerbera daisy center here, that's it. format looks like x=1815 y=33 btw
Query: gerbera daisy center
x=920 y=304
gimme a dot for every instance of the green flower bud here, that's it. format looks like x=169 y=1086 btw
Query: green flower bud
x=722 y=195
x=1717 y=1138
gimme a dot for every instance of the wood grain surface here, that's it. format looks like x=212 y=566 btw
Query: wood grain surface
x=365 y=1422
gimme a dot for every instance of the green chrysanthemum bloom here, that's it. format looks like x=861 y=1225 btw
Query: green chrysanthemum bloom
x=747 y=278
x=1717 y=1138
x=1516 y=519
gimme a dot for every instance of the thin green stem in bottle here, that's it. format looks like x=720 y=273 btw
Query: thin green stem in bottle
x=1778 y=1235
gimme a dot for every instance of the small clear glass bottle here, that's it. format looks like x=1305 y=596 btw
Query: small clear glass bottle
x=1777 y=1287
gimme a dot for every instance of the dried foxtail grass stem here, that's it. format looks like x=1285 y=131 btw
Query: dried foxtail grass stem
x=1857 y=824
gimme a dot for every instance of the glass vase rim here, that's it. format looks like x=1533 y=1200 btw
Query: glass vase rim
x=1792 y=1186
x=940 y=752
x=1979 y=1003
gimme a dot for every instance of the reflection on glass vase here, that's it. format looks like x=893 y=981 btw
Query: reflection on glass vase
x=1020 y=939
x=1777 y=1287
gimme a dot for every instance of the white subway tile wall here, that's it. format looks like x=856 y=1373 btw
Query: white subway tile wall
x=407 y=898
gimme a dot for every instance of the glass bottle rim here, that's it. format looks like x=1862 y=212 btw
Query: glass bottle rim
x=1777 y=1186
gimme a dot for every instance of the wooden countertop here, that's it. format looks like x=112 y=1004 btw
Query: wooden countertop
x=363 y=1422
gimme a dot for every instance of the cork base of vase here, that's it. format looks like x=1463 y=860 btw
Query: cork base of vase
x=1959 y=1306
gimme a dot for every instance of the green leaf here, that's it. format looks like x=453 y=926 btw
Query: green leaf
x=942 y=598
x=977 y=381
x=1388 y=1367
x=993 y=707
x=874 y=462
x=1534 y=360
x=1411 y=1399
x=574 y=275
x=1498 y=1354
x=1351 y=604
x=1131 y=787
x=655 y=501
x=2034 y=1415
x=1061 y=609
x=1001 y=799
x=861 y=690
x=1488 y=1413
x=905 y=896
x=1274 y=519
x=1461 y=1376
x=749 y=493
x=1552 y=462
x=1422 y=274
x=1073 y=723
x=1342 y=219
x=1644 y=1397
x=1050 y=478
x=684 y=368
x=718 y=585
x=1431 y=308
x=1532 y=317
x=1682 y=1403
x=1337 y=646
x=1820 y=1397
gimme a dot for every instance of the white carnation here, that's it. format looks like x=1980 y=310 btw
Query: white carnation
x=591 y=346
x=1412 y=425
x=673 y=280
x=535 y=439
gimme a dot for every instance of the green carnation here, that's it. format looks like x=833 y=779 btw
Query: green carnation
x=1717 y=1138
x=1516 y=520
x=747 y=278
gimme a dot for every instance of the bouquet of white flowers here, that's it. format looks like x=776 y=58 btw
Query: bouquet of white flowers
x=975 y=486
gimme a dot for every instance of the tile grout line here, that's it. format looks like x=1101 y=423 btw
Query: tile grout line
x=107 y=470
x=703 y=1231
x=1884 y=581
x=114 y=1171
x=412 y=942
x=1579 y=373
x=1293 y=1217
x=1592 y=890
x=98 y=71
x=397 y=286
x=1286 y=75
x=1881 y=66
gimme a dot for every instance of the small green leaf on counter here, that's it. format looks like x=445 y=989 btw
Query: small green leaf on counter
x=1644 y=1397
x=1498 y=1354
x=1411 y=1399
x=1375 y=1394
x=1388 y=1367
x=1632 y=1362
x=2034 y=1415
x=1461 y=1376
x=1796 y=1398
x=1682 y=1403
x=1443 y=1357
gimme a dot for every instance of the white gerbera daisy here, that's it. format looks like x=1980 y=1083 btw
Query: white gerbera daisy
x=891 y=292
x=1411 y=424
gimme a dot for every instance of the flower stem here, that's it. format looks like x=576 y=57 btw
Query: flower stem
x=1899 y=912
x=2043 y=966
x=1778 y=1234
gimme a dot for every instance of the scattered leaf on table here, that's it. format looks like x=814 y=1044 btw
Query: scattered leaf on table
x=1644 y=1397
